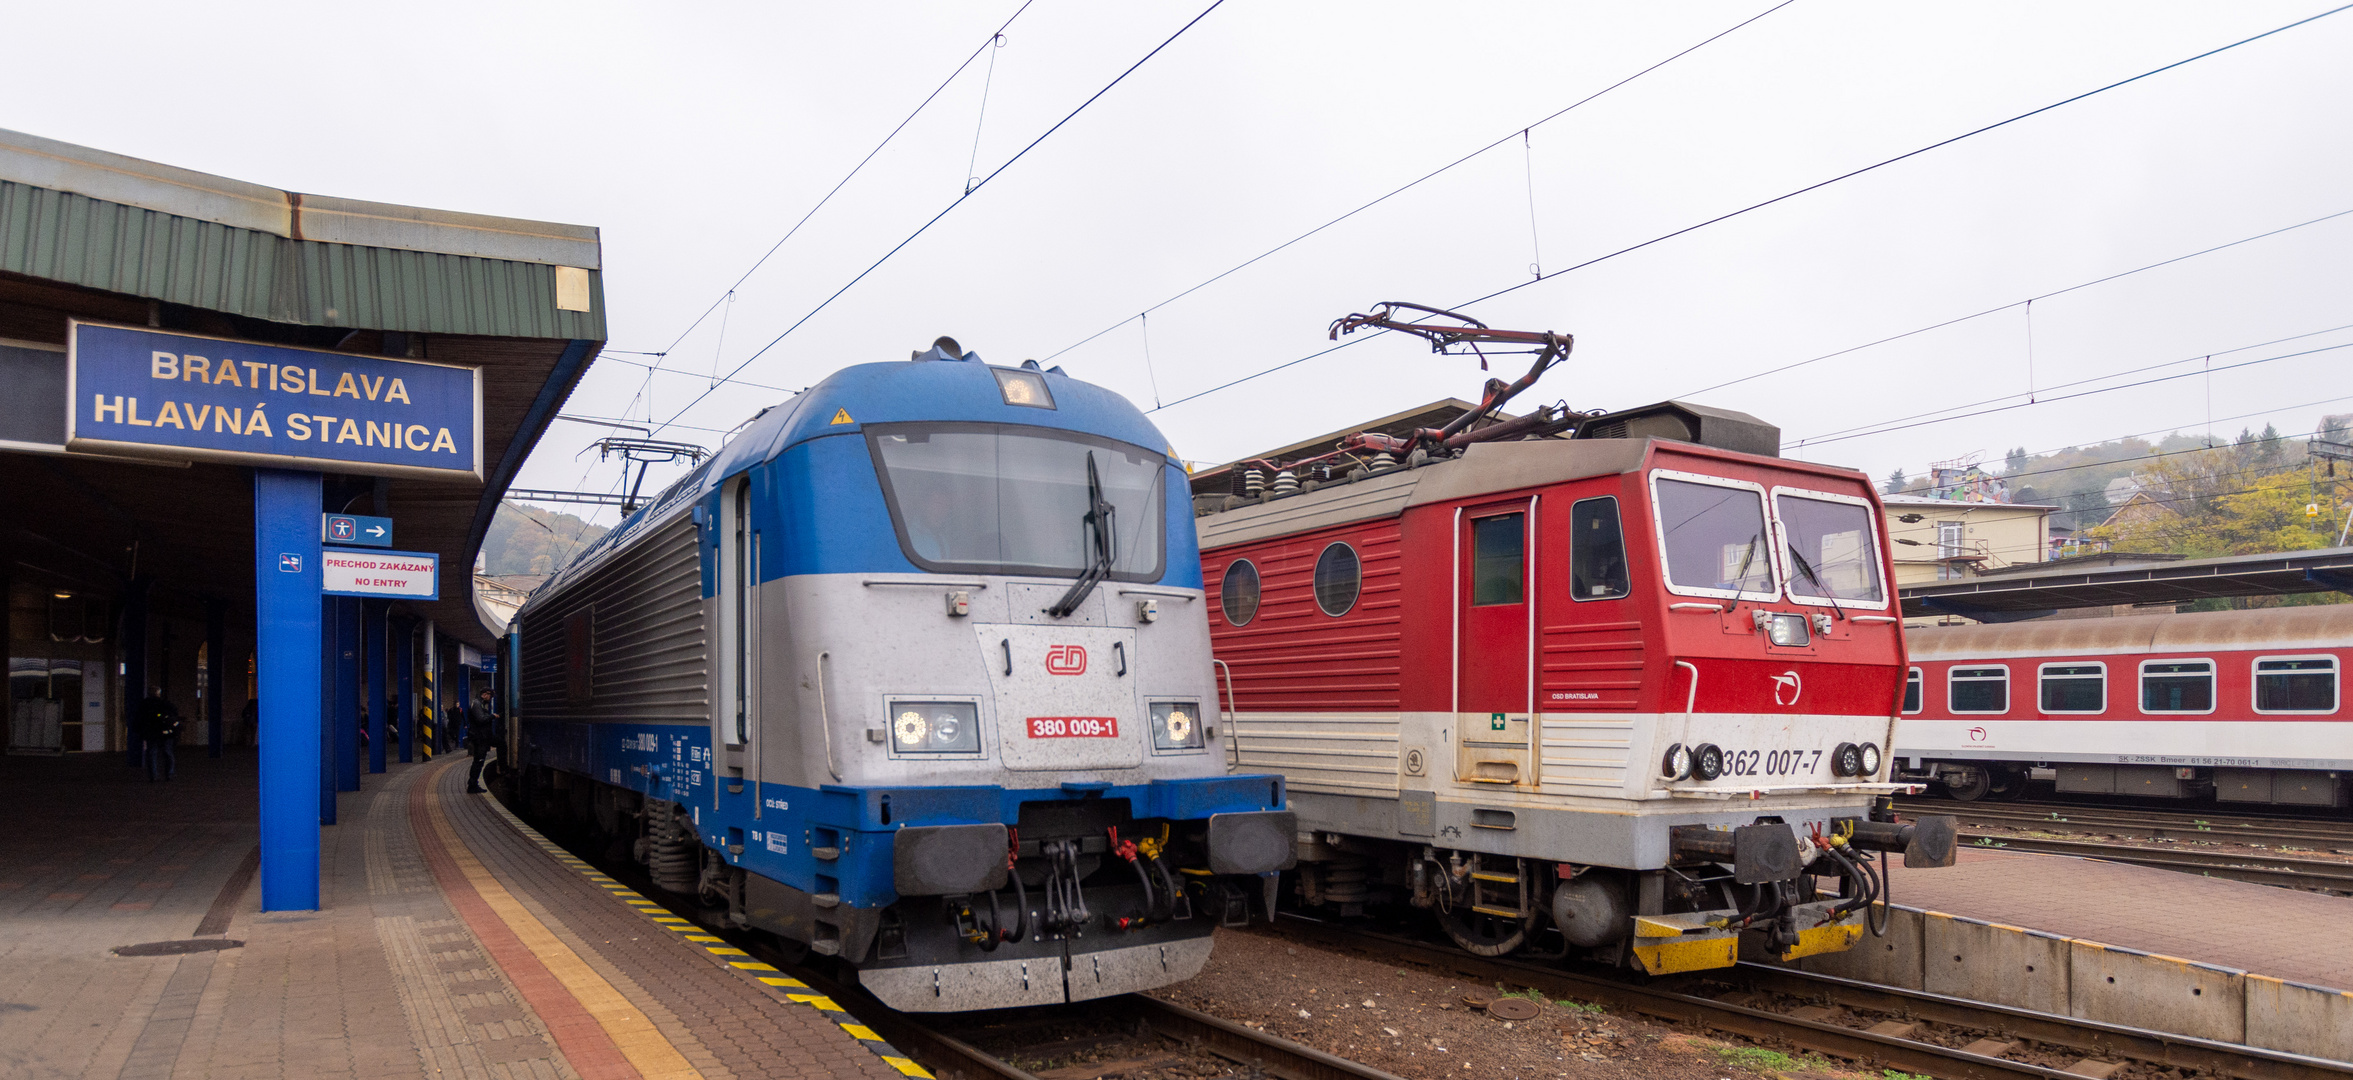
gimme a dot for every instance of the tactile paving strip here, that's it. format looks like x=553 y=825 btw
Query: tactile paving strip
x=767 y=974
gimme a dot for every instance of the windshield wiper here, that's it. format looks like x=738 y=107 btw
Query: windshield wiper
x=1098 y=518
x=1807 y=568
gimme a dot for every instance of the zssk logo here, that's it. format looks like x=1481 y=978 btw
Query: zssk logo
x=1787 y=683
x=1066 y=660
x=1976 y=734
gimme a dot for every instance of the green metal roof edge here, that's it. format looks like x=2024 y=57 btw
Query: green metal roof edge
x=74 y=239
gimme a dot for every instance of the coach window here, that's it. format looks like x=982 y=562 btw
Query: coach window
x=2075 y=688
x=1978 y=689
x=2296 y=684
x=1912 y=691
x=1597 y=551
x=1338 y=578
x=1238 y=596
x=2177 y=686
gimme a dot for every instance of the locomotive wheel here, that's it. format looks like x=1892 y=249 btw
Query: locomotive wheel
x=2009 y=785
x=1973 y=784
x=1485 y=935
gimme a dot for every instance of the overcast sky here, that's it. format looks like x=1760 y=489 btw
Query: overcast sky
x=694 y=136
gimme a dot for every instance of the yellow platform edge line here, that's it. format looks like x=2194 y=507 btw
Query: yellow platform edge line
x=881 y=1047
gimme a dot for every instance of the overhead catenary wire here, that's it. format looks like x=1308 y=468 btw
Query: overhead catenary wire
x=951 y=207
x=1519 y=132
x=1901 y=422
x=1816 y=186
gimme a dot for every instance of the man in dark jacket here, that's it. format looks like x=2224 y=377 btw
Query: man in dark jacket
x=480 y=731
x=158 y=728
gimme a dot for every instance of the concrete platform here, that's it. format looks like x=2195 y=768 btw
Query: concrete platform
x=453 y=942
x=2298 y=936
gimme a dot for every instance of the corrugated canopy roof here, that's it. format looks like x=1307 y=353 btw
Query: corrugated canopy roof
x=2029 y=594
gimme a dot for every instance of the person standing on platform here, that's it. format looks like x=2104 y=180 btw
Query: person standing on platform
x=481 y=733
x=251 y=719
x=159 y=729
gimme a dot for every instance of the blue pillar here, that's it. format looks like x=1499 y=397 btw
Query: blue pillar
x=404 y=660
x=286 y=605
x=372 y=632
x=347 y=691
x=326 y=707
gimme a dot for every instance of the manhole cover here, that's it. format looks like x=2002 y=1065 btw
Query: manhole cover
x=1512 y=1008
x=178 y=948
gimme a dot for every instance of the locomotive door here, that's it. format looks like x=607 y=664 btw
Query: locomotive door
x=1494 y=674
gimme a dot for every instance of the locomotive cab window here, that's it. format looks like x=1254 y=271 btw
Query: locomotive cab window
x=1010 y=499
x=1912 y=691
x=1978 y=689
x=1499 y=559
x=2296 y=684
x=1339 y=576
x=1714 y=536
x=2074 y=688
x=1237 y=595
x=2177 y=686
x=1832 y=545
x=1597 y=551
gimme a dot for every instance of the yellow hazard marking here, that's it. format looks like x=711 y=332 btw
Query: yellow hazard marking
x=905 y=1066
x=818 y=1000
x=703 y=937
x=632 y=1033
x=861 y=1031
x=783 y=980
x=724 y=950
x=842 y=416
x=751 y=965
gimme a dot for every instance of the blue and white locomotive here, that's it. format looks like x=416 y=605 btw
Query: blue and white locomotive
x=913 y=672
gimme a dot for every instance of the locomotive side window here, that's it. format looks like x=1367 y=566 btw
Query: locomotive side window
x=1831 y=547
x=2074 y=688
x=2304 y=684
x=1338 y=578
x=1597 y=551
x=1912 y=691
x=1714 y=536
x=1238 y=594
x=1007 y=499
x=1978 y=689
x=1500 y=559
x=2177 y=686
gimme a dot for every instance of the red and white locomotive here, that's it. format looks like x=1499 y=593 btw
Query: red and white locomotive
x=1629 y=676
x=2245 y=705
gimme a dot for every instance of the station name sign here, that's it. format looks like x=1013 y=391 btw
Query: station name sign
x=184 y=397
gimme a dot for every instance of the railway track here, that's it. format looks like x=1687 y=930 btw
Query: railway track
x=1134 y=1031
x=2281 y=833
x=1948 y=1038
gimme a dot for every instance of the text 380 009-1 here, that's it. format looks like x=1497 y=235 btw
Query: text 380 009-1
x=1074 y=727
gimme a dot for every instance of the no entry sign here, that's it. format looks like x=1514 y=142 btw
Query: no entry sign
x=415 y=575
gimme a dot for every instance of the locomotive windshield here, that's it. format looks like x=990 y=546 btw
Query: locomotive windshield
x=1830 y=552
x=1715 y=537
x=1007 y=499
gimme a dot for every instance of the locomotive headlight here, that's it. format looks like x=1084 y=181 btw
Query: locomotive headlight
x=1870 y=753
x=1677 y=764
x=1176 y=725
x=1786 y=629
x=935 y=727
x=1707 y=761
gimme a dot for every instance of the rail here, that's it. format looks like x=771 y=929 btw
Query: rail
x=1740 y=1011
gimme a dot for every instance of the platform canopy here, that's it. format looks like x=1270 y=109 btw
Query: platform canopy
x=98 y=237
x=2029 y=593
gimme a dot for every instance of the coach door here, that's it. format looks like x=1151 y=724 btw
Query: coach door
x=1495 y=606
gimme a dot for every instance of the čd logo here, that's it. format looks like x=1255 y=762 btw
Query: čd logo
x=1066 y=660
